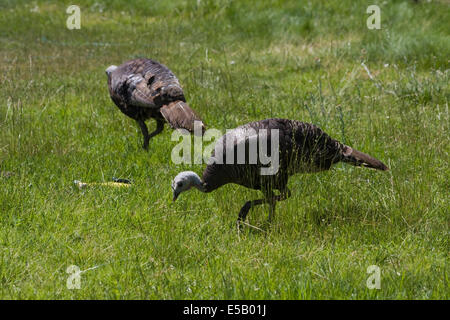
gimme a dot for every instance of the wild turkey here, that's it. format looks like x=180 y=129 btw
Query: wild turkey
x=302 y=148
x=144 y=89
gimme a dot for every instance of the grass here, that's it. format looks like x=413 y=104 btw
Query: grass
x=238 y=61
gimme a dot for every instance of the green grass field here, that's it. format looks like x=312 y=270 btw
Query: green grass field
x=238 y=61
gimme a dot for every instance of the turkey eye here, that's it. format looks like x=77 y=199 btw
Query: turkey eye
x=179 y=184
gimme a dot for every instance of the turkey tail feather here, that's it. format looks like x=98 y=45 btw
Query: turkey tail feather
x=180 y=116
x=358 y=158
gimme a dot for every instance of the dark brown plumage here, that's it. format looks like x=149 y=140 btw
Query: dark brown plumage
x=144 y=89
x=303 y=148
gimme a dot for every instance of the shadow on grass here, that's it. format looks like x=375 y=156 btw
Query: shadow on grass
x=350 y=214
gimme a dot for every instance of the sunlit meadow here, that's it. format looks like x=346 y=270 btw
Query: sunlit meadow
x=384 y=92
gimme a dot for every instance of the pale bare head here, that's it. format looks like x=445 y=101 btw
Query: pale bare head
x=110 y=69
x=184 y=181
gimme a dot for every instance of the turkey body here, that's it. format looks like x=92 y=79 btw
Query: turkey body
x=144 y=89
x=302 y=148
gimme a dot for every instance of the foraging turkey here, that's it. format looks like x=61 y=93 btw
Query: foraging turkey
x=302 y=148
x=144 y=89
